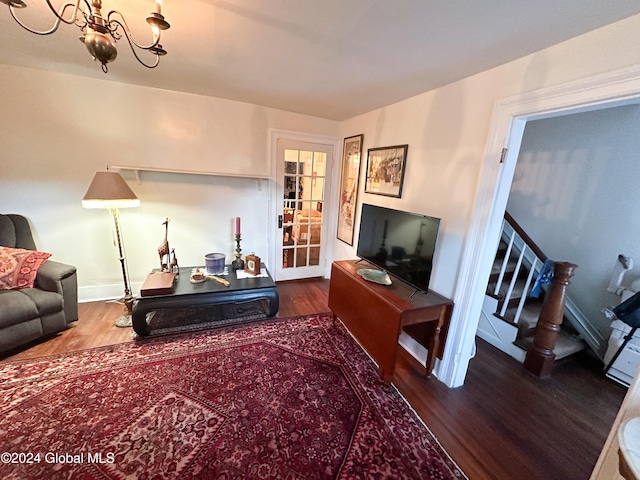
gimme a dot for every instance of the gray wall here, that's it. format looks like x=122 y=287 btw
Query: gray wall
x=576 y=193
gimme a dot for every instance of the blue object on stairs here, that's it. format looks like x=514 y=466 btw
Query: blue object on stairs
x=544 y=278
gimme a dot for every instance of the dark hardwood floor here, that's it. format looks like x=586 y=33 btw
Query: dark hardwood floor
x=503 y=423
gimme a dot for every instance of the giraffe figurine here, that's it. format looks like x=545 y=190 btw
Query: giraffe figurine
x=163 y=249
x=173 y=266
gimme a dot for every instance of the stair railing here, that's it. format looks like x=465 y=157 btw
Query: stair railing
x=530 y=256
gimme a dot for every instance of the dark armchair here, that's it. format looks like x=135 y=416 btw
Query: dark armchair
x=28 y=314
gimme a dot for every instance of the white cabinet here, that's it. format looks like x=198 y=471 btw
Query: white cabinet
x=625 y=366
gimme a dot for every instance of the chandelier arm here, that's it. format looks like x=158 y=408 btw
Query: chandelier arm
x=122 y=22
x=76 y=9
x=133 y=46
x=59 y=17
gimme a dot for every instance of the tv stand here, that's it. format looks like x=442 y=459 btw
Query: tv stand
x=376 y=315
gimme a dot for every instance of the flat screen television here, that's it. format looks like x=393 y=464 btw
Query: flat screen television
x=401 y=243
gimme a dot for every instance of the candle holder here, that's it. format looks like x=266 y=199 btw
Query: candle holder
x=238 y=263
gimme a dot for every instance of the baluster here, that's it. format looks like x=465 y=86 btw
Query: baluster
x=525 y=292
x=505 y=261
x=514 y=279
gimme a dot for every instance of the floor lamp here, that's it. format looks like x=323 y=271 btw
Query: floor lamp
x=108 y=190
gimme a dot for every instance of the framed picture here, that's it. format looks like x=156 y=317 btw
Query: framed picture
x=349 y=187
x=385 y=170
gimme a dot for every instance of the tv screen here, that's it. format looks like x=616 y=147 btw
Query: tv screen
x=401 y=243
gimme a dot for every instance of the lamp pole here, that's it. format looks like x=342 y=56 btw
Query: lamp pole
x=124 y=320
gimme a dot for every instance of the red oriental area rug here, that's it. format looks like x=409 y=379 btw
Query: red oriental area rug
x=289 y=398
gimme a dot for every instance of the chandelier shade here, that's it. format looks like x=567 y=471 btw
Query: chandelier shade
x=100 y=33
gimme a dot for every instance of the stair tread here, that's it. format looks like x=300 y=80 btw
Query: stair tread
x=529 y=315
x=566 y=344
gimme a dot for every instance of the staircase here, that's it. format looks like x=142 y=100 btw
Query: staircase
x=510 y=312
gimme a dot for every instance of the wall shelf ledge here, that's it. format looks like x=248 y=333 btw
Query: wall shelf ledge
x=138 y=169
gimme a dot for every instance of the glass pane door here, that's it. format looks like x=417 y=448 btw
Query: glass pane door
x=304 y=171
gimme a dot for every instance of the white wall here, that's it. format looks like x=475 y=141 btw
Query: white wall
x=57 y=130
x=447 y=132
x=575 y=192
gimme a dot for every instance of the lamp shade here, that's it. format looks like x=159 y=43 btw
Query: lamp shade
x=109 y=190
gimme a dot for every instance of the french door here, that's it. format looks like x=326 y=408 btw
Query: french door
x=302 y=181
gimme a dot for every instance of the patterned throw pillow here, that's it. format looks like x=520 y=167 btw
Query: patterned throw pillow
x=18 y=267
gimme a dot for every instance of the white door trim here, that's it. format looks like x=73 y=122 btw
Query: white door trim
x=620 y=87
x=331 y=215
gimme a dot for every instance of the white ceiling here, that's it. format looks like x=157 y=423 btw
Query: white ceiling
x=328 y=58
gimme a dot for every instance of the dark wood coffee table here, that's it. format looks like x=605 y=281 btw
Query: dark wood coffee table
x=204 y=305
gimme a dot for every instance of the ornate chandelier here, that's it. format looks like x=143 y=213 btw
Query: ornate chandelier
x=100 y=32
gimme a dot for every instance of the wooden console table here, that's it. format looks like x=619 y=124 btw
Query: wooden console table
x=377 y=314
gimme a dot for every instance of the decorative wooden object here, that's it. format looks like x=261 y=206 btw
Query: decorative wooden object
x=174 y=267
x=540 y=357
x=252 y=264
x=376 y=315
x=163 y=248
x=157 y=283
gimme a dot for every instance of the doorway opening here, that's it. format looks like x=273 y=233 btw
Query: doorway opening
x=507 y=129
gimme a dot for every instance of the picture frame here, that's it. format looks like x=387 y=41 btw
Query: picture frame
x=385 y=170
x=349 y=183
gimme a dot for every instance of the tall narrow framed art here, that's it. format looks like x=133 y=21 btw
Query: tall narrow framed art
x=351 y=156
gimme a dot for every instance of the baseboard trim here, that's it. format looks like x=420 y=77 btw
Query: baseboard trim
x=99 y=293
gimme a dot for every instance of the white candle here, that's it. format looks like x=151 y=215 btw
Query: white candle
x=158 y=6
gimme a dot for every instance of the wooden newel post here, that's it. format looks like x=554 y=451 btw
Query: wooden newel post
x=540 y=357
